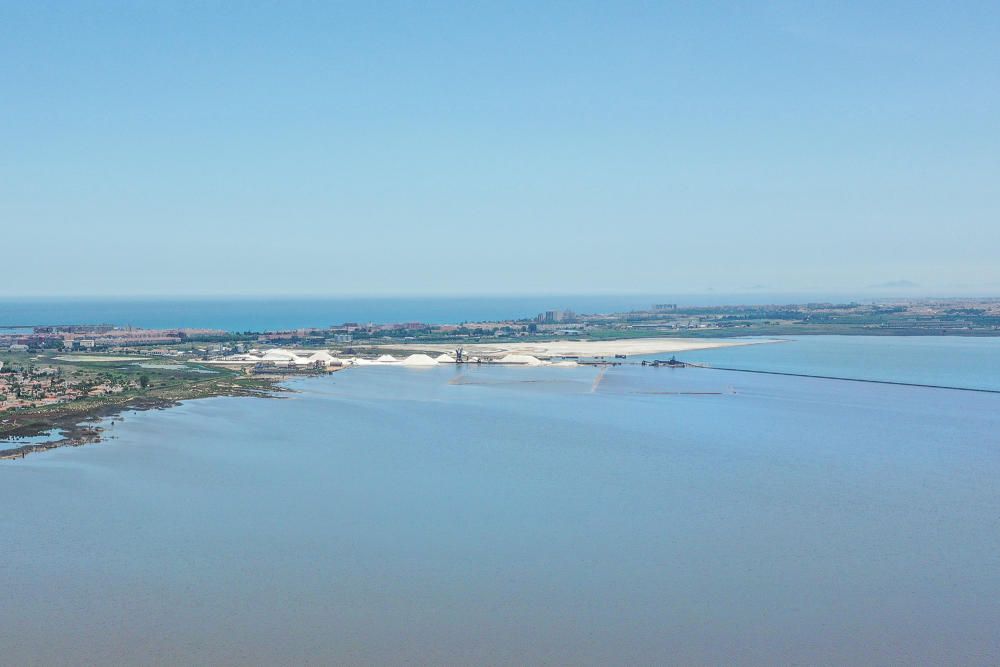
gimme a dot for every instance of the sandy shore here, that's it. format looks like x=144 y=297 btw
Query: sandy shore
x=595 y=348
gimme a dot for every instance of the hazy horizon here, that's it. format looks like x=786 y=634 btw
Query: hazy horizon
x=751 y=295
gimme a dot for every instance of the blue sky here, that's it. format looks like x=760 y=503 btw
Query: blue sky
x=401 y=148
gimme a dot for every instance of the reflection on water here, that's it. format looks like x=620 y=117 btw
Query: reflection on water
x=468 y=515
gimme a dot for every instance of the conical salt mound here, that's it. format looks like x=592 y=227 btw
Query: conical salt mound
x=444 y=359
x=521 y=359
x=387 y=359
x=419 y=360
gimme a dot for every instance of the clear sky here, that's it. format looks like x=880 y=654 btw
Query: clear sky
x=472 y=147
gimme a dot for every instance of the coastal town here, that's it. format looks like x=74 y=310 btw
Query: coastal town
x=33 y=386
x=962 y=317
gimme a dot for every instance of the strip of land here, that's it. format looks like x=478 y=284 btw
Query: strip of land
x=60 y=378
x=580 y=348
x=69 y=394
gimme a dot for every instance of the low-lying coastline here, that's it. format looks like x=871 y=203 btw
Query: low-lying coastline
x=77 y=422
x=582 y=348
x=73 y=394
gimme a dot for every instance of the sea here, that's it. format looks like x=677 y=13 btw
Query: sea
x=513 y=516
x=254 y=313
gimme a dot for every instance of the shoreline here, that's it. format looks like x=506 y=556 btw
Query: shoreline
x=74 y=424
x=78 y=423
x=583 y=348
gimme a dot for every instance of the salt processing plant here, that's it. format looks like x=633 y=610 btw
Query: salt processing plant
x=284 y=360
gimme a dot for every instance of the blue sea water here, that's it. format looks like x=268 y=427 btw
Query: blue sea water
x=492 y=515
x=268 y=314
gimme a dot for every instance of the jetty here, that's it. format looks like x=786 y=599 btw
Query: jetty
x=672 y=362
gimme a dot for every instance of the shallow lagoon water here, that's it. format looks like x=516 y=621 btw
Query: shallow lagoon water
x=519 y=515
x=938 y=360
x=20 y=441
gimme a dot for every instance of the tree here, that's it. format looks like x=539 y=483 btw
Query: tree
x=143 y=381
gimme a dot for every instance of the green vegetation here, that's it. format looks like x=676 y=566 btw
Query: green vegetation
x=43 y=393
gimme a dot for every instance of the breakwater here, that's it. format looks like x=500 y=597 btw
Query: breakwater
x=842 y=379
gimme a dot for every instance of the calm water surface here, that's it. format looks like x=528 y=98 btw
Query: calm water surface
x=522 y=516
x=952 y=361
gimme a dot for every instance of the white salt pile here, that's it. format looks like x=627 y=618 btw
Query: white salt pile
x=284 y=358
x=419 y=360
x=521 y=359
x=322 y=356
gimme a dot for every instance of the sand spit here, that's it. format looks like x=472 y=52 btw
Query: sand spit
x=588 y=348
